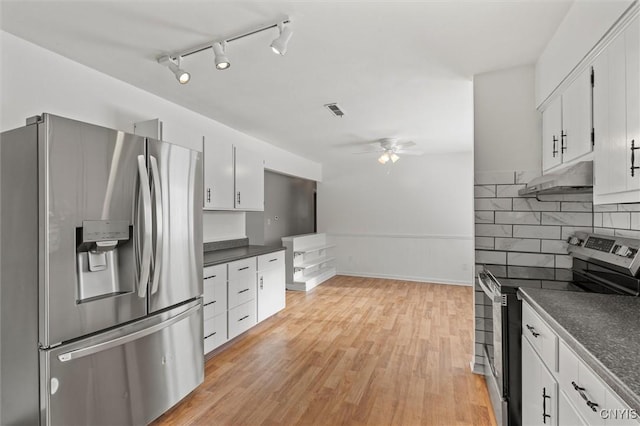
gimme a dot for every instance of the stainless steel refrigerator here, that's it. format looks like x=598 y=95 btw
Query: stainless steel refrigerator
x=100 y=274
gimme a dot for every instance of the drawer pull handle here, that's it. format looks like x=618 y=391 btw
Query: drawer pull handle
x=533 y=331
x=273 y=260
x=242 y=269
x=581 y=390
x=210 y=303
x=242 y=291
x=206 y=337
x=243 y=318
x=544 y=405
x=208 y=278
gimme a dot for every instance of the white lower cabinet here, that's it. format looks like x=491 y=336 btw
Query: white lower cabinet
x=239 y=294
x=558 y=387
x=539 y=390
x=271 y=284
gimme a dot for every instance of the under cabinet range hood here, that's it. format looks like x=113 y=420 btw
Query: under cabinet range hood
x=570 y=180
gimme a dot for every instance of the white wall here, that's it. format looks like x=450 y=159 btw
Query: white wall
x=412 y=220
x=583 y=26
x=507 y=125
x=34 y=80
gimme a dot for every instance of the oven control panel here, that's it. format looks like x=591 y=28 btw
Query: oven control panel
x=613 y=251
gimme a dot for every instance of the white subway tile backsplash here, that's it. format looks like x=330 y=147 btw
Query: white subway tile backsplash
x=485 y=243
x=597 y=220
x=517 y=244
x=605 y=208
x=508 y=190
x=629 y=207
x=568 y=231
x=526 y=176
x=531 y=204
x=531 y=231
x=572 y=206
x=627 y=233
x=484 y=191
x=616 y=220
x=530 y=259
x=484 y=217
x=483 y=178
x=485 y=230
x=485 y=256
x=554 y=246
x=493 y=204
x=635 y=221
x=564 y=261
x=604 y=231
x=569 y=219
x=521 y=218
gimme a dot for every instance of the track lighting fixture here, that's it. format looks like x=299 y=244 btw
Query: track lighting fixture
x=219 y=47
x=174 y=65
x=222 y=62
x=279 y=45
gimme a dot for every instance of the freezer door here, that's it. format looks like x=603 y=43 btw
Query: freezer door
x=129 y=376
x=176 y=192
x=90 y=248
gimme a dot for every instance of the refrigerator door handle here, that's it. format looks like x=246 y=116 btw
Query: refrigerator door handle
x=145 y=261
x=103 y=346
x=157 y=191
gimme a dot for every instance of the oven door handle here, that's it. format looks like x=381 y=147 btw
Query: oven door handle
x=495 y=297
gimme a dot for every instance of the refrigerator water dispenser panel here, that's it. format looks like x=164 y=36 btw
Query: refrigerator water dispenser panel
x=97 y=258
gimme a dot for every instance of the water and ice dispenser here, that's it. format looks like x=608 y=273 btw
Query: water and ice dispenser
x=98 y=260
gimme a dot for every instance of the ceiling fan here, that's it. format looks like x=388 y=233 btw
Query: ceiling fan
x=390 y=148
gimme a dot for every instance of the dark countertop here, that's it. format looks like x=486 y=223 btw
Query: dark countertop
x=603 y=329
x=217 y=257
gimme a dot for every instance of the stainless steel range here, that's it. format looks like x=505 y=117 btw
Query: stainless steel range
x=601 y=264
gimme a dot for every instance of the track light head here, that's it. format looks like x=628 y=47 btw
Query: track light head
x=182 y=76
x=222 y=62
x=279 y=45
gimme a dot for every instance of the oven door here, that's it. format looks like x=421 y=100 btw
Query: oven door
x=496 y=383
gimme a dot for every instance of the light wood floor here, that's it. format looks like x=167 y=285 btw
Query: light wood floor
x=353 y=351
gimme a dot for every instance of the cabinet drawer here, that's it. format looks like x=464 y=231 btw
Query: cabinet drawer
x=215 y=284
x=242 y=318
x=538 y=333
x=271 y=260
x=242 y=281
x=215 y=332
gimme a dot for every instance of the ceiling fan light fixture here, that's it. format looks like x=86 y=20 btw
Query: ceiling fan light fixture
x=279 y=44
x=182 y=76
x=222 y=62
x=384 y=158
x=394 y=157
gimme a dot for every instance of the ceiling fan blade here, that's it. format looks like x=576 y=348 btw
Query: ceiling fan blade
x=373 y=151
x=409 y=152
x=405 y=144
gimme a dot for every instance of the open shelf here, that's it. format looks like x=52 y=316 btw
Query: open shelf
x=314 y=262
x=307 y=264
x=312 y=249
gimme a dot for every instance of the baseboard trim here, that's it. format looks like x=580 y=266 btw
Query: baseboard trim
x=407 y=278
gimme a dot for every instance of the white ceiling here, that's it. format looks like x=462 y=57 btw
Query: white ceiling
x=398 y=69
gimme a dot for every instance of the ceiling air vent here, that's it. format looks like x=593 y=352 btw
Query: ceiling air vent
x=335 y=110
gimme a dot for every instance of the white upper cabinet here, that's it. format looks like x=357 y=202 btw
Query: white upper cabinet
x=576 y=119
x=218 y=175
x=551 y=134
x=566 y=124
x=249 y=180
x=616 y=116
x=233 y=177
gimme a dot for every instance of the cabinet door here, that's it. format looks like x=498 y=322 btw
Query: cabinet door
x=567 y=415
x=539 y=390
x=249 y=180
x=612 y=158
x=632 y=48
x=551 y=130
x=218 y=174
x=576 y=118
x=271 y=286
